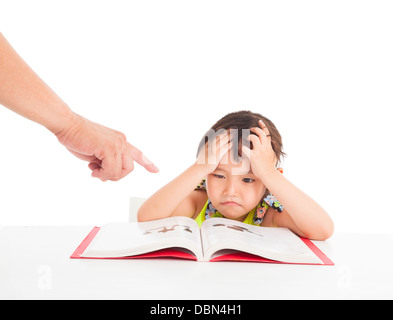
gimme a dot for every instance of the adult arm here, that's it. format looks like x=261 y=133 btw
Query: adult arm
x=109 y=154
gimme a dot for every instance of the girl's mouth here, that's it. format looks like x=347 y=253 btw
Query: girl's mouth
x=230 y=204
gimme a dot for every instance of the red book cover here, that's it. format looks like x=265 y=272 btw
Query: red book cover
x=179 y=254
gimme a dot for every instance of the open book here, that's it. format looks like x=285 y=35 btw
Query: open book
x=218 y=239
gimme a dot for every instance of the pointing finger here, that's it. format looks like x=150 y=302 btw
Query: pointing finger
x=140 y=158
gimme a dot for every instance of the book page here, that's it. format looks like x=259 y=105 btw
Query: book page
x=272 y=243
x=126 y=239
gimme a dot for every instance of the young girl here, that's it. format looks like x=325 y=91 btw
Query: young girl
x=250 y=188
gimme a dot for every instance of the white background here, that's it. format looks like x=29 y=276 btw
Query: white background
x=163 y=72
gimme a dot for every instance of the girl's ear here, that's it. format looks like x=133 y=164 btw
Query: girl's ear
x=281 y=170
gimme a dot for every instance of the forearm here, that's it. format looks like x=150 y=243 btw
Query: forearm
x=307 y=214
x=165 y=201
x=22 y=91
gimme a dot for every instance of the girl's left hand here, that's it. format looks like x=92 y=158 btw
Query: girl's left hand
x=262 y=157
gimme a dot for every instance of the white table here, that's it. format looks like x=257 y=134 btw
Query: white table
x=35 y=264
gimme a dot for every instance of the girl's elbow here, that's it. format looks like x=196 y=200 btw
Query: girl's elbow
x=324 y=233
x=322 y=236
x=141 y=215
x=329 y=229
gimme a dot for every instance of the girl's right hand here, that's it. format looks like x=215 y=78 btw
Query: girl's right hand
x=214 y=151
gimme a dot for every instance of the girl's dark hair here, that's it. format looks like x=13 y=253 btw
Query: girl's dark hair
x=246 y=120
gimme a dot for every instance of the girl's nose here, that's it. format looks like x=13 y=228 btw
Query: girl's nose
x=230 y=188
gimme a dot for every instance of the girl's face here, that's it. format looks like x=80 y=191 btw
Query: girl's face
x=234 y=190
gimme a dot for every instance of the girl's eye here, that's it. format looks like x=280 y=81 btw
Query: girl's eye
x=219 y=176
x=248 y=180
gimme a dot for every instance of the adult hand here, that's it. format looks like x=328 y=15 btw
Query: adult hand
x=109 y=154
